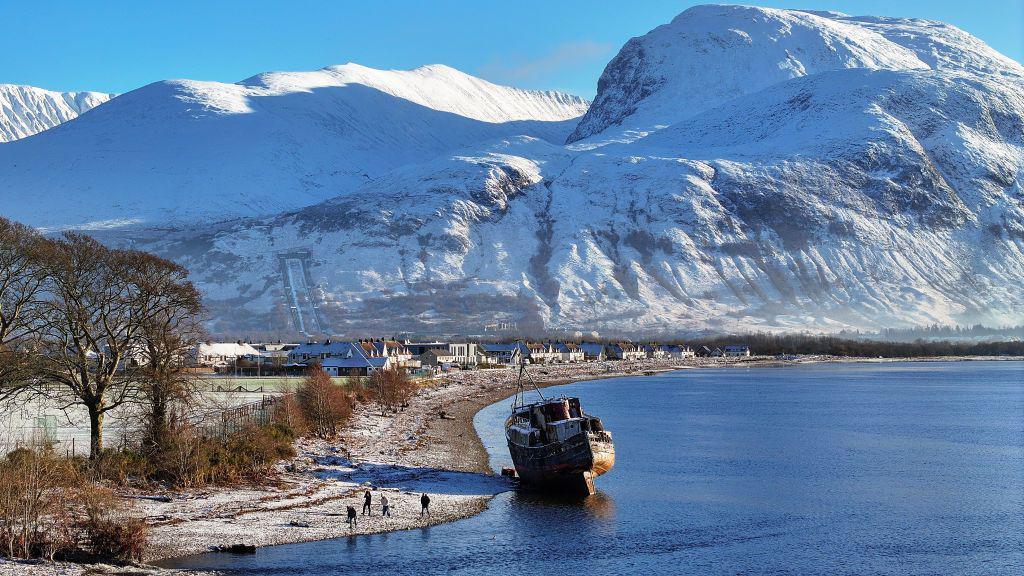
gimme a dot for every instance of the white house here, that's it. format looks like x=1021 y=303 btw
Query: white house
x=218 y=354
x=569 y=352
x=679 y=352
x=543 y=353
x=737 y=351
x=626 y=351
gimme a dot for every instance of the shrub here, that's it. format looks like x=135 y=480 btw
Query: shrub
x=105 y=530
x=33 y=500
x=121 y=467
x=325 y=405
x=48 y=509
x=193 y=459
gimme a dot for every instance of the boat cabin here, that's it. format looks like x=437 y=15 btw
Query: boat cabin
x=553 y=420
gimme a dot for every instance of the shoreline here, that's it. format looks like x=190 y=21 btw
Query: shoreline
x=431 y=446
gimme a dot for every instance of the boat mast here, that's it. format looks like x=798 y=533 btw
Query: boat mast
x=520 y=398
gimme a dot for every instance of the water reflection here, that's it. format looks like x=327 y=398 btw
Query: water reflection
x=599 y=507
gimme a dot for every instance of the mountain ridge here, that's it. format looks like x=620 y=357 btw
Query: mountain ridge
x=740 y=169
x=27 y=110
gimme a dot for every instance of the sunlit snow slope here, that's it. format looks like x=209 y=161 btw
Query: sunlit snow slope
x=182 y=151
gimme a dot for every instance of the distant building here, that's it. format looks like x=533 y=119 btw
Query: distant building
x=462 y=353
x=625 y=351
x=678 y=352
x=355 y=365
x=273 y=353
x=593 y=351
x=303 y=353
x=543 y=353
x=569 y=352
x=505 y=353
x=736 y=351
x=220 y=354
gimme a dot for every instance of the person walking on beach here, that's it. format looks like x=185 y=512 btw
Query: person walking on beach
x=425 y=503
x=352 y=518
x=385 y=509
x=366 y=504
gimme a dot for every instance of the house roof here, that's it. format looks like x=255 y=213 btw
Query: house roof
x=226 y=349
x=355 y=362
x=330 y=348
x=506 y=347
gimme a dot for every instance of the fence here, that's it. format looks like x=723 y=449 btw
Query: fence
x=236 y=418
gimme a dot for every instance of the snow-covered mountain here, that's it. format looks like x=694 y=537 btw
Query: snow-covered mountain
x=180 y=151
x=27 y=110
x=740 y=168
x=709 y=55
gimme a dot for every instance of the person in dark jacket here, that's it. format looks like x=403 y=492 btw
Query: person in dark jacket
x=352 y=518
x=425 y=503
x=366 y=504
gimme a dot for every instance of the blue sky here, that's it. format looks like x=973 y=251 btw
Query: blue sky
x=557 y=44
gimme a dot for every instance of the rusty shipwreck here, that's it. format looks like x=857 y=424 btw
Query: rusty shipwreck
x=556 y=446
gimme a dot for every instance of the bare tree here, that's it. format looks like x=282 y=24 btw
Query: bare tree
x=90 y=328
x=170 y=325
x=325 y=405
x=392 y=388
x=22 y=280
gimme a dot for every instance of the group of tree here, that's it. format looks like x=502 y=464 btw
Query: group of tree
x=93 y=327
x=774 y=344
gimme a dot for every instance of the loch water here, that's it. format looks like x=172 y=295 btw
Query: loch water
x=889 y=468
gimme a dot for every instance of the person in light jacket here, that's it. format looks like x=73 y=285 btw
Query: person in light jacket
x=385 y=508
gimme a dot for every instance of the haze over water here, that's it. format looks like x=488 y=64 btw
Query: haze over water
x=902 y=468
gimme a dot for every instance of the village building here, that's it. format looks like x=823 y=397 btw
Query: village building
x=594 y=352
x=465 y=353
x=355 y=365
x=570 y=352
x=543 y=353
x=737 y=351
x=677 y=351
x=625 y=351
x=504 y=353
x=221 y=354
x=438 y=358
x=303 y=353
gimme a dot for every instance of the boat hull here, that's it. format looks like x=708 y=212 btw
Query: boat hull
x=568 y=466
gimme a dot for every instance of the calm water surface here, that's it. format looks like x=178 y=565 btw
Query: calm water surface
x=908 y=468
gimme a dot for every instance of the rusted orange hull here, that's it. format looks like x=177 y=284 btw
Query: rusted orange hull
x=604 y=457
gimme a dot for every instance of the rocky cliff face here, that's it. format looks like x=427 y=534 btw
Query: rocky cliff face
x=740 y=168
